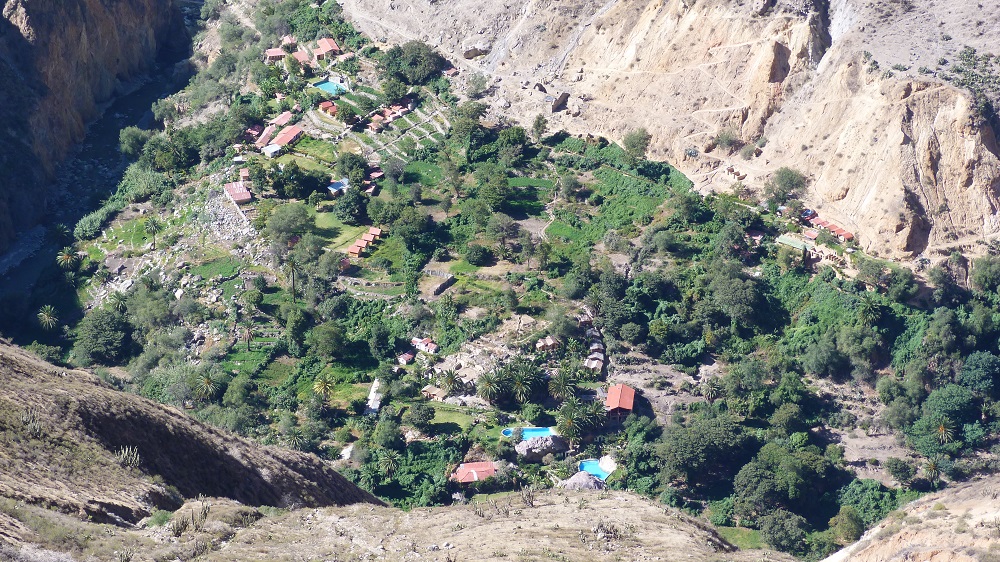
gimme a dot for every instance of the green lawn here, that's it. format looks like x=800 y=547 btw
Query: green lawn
x=447 y=414
x=277 y=371
x=320 y=149
x=339 y=236
x=424 y=172
x=240 y=361
x=462 y=266
x=559 y=229
x=305 y=163
x=744 y=539
x=224 y=266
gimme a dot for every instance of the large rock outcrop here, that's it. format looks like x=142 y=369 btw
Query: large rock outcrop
x=59 y=61
x=534 y=449
x=899 y=157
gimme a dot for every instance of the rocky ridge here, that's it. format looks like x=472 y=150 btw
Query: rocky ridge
x=899 y=158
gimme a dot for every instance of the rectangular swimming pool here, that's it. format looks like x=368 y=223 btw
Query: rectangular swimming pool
x=528 y=432
x=331 y=87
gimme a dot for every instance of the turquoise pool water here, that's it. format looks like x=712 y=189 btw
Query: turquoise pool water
x=528 y=432
x=593 y=466
x=331 y=87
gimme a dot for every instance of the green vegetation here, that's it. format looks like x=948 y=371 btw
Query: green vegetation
x=286 y=349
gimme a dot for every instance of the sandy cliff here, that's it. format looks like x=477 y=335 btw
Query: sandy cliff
x=901 y=160
x=59 y=60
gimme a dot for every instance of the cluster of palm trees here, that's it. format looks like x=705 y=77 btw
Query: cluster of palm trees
x=519 y=380
x=576 y=417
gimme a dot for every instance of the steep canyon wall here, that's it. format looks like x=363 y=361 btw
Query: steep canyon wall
x=59 y=61
x=902 y=160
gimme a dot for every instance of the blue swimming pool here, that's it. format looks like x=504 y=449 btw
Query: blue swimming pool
x=331 y=87
x=528 y=432
x=593 y=466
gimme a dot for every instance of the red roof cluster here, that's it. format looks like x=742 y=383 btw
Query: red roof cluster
x=833 y=228
x=326 y=46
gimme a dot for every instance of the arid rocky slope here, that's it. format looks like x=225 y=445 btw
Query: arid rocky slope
x=59 y=60
x=903 y=161
x=60 y=431
x=959 y=524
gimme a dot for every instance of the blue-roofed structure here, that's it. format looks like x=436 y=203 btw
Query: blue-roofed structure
x=339 y=187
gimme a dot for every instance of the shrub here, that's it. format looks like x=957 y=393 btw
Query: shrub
x=478 y=255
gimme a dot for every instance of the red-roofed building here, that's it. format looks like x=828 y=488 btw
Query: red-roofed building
x=354 y=251
x=620 y=400
x=303 y=57
x=327 y=48
x=836 y=230
x=345 y=56
x=821 y=223
x=244 y=174
x=281 y=120
x=265 y=137
x=287 y=136
x=474 y=471
x=289 y=40
x=810 y=234
x=368 y=237
x=328 y=107
x=847 y=236
x=274 y=55
x=425 y=345
x=238 y=192
x=375 y=231
x=406 y=358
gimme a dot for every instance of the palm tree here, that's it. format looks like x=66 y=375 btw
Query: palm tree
x=563 y=384
x=711 y=389
x=522 y=384
x=66 y=258
x=323 y=385
x=570 y=420
x=61 y=233
x=869 y=311
x=594 y=414
x=489 y=387
x=368 y=477
x=206 y=387
x=248 y=334
x=48 y=318
x=450 y=381
x=151 y=227
x=933 y=468
x=945 y=433
x=118 y=301
x=388 y=462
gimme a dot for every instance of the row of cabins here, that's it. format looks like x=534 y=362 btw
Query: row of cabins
x=366 y=241
x=390 y=114
x=818 y=223
x=325 y=49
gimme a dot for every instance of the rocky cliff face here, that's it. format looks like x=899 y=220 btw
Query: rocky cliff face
x=903 y=161
x=59 y=61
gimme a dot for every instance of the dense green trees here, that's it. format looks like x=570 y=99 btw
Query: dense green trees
x=103 y=336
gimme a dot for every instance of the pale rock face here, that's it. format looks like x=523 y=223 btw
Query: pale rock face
x=537 y=447
x=903 y=162
x=66 y=58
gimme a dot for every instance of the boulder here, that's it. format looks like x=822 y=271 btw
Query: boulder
x=582 y=481
x=537 y=447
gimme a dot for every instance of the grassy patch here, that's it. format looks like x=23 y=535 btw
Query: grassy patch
x=305 y=163
x=224 y=267
x=338 y=236
x=744 y=539
x=277 y=371
x=424 y=172
x=559 y=229
x=319 y=149
x=462 y=266
x=239 y=361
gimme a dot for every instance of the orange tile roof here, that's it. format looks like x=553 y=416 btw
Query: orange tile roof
x=287 y=135
x=474 y=471
x=327 y=45
x=620 y=396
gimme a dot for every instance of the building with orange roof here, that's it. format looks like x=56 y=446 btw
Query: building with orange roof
x=468 y=472
x=288 y=135
x=274 y=55
x=326 y=48
x=620 y=400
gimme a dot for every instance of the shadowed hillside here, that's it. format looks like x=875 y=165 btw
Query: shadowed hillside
x=61 y=432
